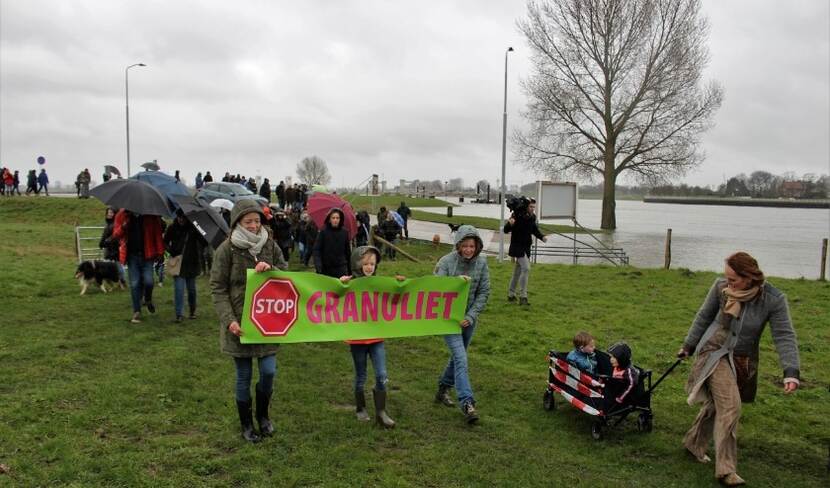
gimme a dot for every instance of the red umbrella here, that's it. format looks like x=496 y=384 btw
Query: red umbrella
x=319 y=206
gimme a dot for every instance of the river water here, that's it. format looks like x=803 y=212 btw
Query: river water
x=786 y=241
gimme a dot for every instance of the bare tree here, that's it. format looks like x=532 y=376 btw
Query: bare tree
x=616 y=87
x=313 y=170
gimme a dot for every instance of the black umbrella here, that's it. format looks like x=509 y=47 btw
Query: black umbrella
x=204 y=218
x=151 y=166
x=110 y=169
x=133 y=195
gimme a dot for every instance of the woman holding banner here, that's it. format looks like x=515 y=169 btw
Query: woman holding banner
x=467 y=263
x=248 y=247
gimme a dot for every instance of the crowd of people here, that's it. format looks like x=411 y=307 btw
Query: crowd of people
x=253 y=245
x=35 y=182
x=724 y=336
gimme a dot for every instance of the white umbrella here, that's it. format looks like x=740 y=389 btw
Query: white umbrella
x=222 y=203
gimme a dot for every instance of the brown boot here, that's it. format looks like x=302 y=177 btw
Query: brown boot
x=360 y=406
x=381 y=417
x=732 y=479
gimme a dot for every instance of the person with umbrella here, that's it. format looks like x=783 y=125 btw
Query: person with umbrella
x=332 y=250
x=248 y=247
x=140 y=244
x=405 y=212
x=184 y=243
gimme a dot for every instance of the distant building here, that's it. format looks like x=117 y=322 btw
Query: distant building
x=793 y=189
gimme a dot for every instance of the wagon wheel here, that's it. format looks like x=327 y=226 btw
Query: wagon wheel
x=644 y=422
x=548 y=401
x=596 y=430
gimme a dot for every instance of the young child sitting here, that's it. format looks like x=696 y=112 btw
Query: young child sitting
x=621 y=362
x=364 y=261
x=583 y=355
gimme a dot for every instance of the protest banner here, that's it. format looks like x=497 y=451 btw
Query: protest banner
x=285 y=307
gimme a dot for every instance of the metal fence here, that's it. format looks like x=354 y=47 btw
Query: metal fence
x=86 y=243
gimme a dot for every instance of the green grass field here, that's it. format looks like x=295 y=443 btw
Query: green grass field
x=88 y=399
x=391 y=202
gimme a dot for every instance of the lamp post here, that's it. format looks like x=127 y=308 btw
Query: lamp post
x=503 y=161
x=127 y=99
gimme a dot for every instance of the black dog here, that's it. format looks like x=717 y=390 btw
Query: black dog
x=100 y=272
x=454 y=228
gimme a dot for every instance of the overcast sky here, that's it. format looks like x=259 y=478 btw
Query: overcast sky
x=403 y=89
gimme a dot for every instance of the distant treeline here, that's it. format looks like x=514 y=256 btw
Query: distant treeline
x=759 y=184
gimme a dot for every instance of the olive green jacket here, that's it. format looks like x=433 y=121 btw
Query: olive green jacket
x=227 y=282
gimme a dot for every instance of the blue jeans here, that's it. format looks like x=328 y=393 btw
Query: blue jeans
x=301 y=247
x=244 y=372
x=141 y=280
x=378 y=354
x=179 y=284
x=456 y=374
x=159 y=267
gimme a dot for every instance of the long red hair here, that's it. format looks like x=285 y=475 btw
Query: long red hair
x=745 y=266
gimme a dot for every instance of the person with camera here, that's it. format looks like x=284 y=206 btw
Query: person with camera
x=522 y=226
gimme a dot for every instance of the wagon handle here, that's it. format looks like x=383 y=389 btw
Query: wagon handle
x=664 y=375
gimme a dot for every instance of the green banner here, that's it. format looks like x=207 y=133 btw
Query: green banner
x=284 y=307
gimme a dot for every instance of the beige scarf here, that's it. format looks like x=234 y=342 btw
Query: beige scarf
x=245 y=239
x=736 y=298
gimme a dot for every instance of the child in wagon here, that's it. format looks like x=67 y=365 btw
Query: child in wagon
x=583 y=355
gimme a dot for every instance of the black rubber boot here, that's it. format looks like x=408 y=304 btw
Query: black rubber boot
x=360 y=406
x=443 y=395
x=381 y=417
x=266 y=428
x=246 y=419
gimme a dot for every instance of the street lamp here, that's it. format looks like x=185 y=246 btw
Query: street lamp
x=503 y=160
x=127 y=98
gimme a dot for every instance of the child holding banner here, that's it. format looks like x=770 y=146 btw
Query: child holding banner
x=248 y=247
x=466 y=262
x=364 y=261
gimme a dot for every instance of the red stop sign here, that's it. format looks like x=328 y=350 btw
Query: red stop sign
x=274 y=307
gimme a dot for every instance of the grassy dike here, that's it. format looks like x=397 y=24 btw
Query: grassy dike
x=86 y=399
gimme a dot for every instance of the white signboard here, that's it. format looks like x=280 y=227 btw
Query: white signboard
x=556 y=200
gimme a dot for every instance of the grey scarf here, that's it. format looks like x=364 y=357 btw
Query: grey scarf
x=244 y=239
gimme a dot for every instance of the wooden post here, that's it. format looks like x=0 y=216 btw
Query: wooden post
x=668 y=250
x=396 y=248
x=822 y=275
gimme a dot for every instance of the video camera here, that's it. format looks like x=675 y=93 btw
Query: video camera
x=518 y=205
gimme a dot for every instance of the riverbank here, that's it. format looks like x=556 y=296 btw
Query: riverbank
x=740 y=202
x=90 y=400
